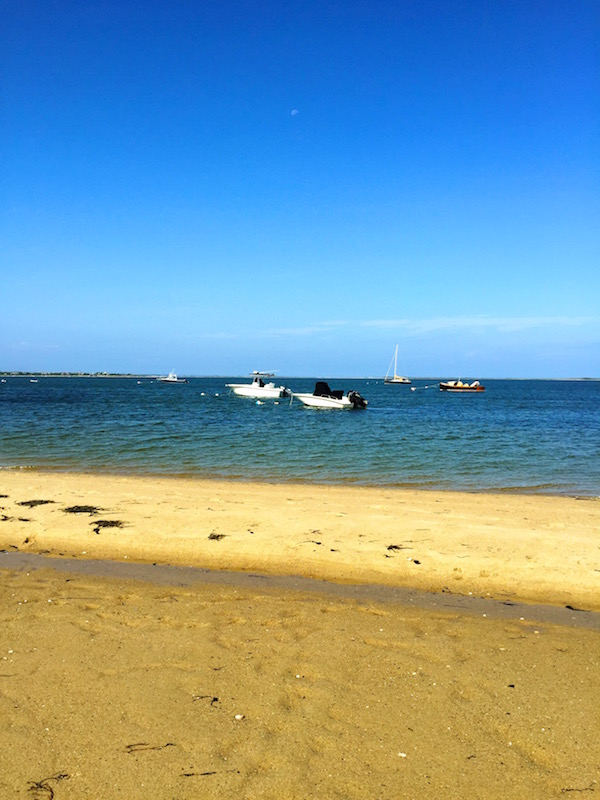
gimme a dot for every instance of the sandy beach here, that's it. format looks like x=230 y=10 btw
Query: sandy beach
x=520 y=547
x=119 y=687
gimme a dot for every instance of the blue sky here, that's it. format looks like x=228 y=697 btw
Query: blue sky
x=220 y=187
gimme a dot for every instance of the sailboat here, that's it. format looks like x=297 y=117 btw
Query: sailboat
x=395 y=378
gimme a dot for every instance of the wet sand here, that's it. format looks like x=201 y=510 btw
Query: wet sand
x=521 y=547
x=116 y=687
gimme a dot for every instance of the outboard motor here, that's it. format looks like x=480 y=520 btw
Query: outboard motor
x=357 y=400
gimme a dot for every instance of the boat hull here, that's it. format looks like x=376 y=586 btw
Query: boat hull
x=465 y=389
x=397 y=379
x=318 y=401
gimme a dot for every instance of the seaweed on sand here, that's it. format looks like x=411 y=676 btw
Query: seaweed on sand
x=82 y=510
x=42 y=790
x=106 y=523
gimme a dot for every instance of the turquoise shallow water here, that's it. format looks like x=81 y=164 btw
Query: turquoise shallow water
x=527 y=436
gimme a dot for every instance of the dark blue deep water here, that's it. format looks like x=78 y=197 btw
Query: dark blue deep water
x=525 y=436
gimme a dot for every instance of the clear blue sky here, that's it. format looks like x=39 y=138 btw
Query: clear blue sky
x=227 y=186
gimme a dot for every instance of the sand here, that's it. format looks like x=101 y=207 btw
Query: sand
x=113 y=687
x=531 y=548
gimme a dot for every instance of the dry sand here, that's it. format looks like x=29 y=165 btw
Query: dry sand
x=119 y=688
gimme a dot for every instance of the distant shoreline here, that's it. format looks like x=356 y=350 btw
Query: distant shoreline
x=283 y=377
x=74 y=375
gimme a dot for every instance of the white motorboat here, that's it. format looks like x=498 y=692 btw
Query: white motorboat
x=324 y=397
x=395 y=378
x=259 y=388
x=172 y=378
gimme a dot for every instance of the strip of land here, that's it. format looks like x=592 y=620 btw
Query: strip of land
x=520 y=547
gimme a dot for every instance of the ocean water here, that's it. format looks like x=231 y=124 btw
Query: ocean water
x=520 y=436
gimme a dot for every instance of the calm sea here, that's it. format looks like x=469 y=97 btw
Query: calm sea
x=522 y=436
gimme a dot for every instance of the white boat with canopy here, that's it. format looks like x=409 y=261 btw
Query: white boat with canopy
x=324 y=397
x=172 y=378
x=259 y=388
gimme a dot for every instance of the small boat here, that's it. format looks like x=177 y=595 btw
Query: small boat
x=459 y=386
x=259 y=388
x=172 y=378
x=395 y=378
x=324 y=397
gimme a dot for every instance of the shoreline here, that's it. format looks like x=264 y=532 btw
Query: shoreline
x=283 y=377
x=538 y=490
x=530 y=548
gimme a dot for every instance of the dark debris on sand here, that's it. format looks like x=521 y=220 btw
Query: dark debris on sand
x=106 y=523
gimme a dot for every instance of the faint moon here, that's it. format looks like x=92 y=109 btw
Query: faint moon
x=294 y=112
